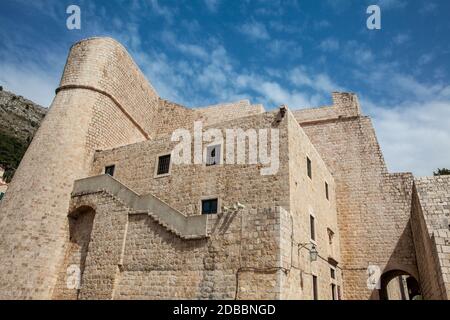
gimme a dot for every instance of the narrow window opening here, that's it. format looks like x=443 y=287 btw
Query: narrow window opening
x=213 y=155
x=312 y=227
x=315 y=293
x=109 y=170
x=309 y=166
x=333 y=291
x=327 y=195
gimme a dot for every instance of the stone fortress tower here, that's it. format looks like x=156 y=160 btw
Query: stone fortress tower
x=143 y=235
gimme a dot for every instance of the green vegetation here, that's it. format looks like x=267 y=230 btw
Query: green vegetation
x=442 y=172
x=11 y=153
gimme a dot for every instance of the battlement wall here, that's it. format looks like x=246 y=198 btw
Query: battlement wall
x=344 y=105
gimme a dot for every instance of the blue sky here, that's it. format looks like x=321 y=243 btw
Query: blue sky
x=202 y=52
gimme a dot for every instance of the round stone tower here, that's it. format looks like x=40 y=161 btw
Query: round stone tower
x=103 y=101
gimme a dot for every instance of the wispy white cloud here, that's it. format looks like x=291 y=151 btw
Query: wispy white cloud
x=255 y=30
x=428 y=7
x=414 y=136
x=401 y=38
x=212 y=5
x=392 y=4
x=329 y=44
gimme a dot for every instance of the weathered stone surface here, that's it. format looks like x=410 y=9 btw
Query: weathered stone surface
x=106 y=113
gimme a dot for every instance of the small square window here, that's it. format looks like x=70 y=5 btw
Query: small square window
x=163 y=165
x=209 y=206
x=309 y=166
x=213 y=155
x=327 y=195
x=312 y=224
x=109 y=170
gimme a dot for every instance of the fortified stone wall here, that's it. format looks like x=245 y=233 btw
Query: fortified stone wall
x=103 y=102
x=367 y=197
x=239 y=260
x=187 y=184
x=431 y=223
x=103 y=65
x=228 y=111
x=172 y=116
x=308 y=197
x=344 y=105
x=427 y=257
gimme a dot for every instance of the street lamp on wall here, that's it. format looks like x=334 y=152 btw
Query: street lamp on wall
x=313 y=253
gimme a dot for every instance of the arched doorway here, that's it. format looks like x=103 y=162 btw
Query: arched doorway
x=399 y=285
x=70 y=277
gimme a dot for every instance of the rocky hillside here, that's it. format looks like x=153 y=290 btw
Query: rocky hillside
x=19 y=119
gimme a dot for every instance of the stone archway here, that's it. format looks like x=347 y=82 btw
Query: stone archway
x=399 y=285
x=70 y=276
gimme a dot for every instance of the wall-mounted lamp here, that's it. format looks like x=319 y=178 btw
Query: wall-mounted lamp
x=313 y=253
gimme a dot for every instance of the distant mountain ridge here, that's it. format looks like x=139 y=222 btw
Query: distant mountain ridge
x=19 y=118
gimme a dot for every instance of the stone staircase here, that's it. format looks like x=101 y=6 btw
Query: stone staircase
x=185 y=227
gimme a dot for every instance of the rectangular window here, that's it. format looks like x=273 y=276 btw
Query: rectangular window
x=213 y=155
x=326 y=191
x=314 y=285
x=330 y=242
x=308 y=164
x=312 y=227
x=332 y=273
x=1 y=195
x=330 y=236
x=333 y=291
x=163 y=165
x=110 y=170
x=209 y=206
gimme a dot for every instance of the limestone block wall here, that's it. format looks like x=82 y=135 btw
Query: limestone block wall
x=228 y=111
x=426 y=253
x=344 y=105
x=241 y=259
x=252 y=253
x=373 y=206
x=103 y=102
x=103 y=65
x=187 y=184
x=132 y=257
x=431 y=222
x=172 y=116
x=33 y=213
x=308 y=197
